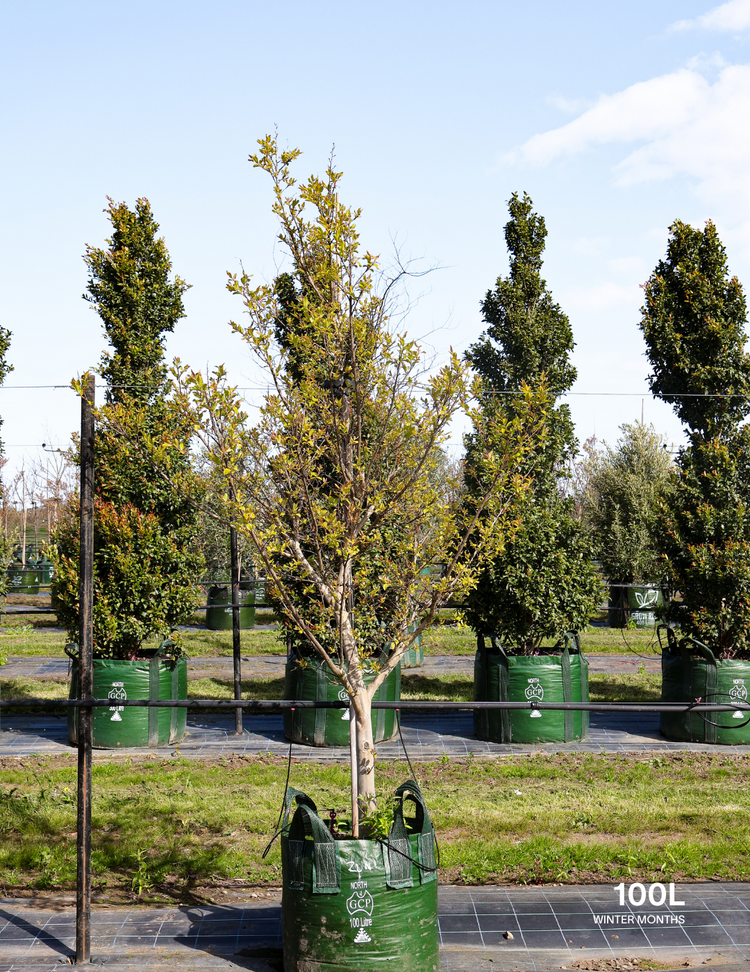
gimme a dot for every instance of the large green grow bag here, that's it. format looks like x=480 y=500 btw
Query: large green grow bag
x=45 y=571
x=636 y=603
x=686 y=677
x=24 y=579
x=157 y=676
x=560 y=677
x=219 y=610
x=356 y=905
x=414 y=657
x=310 y=679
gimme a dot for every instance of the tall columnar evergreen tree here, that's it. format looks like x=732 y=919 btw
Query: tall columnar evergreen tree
x=146 y=563
x=620 y=502
x=543 y=582
x=694 y=322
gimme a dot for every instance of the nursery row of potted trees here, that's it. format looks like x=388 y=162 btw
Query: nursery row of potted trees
x=340 y=490
x=541 y=583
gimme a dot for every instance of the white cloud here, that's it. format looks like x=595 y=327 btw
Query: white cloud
x=677 y=124
x=642 y=111
x=732 y=16
x=571 y=106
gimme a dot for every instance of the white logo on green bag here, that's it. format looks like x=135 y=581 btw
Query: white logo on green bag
x=344 y=697
x=738 y=693
x=117 y=692
x=646 y=599
x=360 y=903
x=534 y=690
x=362 y=937
x=535 y=693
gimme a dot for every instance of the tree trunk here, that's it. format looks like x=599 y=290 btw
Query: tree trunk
x=365 y=751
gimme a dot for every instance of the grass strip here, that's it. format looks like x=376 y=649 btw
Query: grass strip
x=29 y=635
x=178 y=830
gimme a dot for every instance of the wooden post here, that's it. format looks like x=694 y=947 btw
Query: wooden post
x=86 y=678
x=234 y=552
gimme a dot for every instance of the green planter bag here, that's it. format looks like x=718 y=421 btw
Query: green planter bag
x=160 y=676
x=309 y=679
x=686 y=677
x=24 y=579
x=634 y=602
x=499 y=677
x=414 y=657
x=219 y=609
x=355 y=905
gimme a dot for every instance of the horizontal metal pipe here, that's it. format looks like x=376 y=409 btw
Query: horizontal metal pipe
x=279 y=705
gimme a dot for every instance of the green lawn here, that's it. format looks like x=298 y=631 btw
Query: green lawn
x=29 y=635
x=173 y=829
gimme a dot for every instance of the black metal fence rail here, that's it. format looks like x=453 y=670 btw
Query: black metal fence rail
x=266 y=706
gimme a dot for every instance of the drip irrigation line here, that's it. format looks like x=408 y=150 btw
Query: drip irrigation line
x=279 y=705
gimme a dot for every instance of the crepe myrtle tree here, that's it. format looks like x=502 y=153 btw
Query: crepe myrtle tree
x=694 y=321
x=339 y=496
x=543 y=582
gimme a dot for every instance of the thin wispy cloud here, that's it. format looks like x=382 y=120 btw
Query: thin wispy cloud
x=732 y=16
x=677 y=124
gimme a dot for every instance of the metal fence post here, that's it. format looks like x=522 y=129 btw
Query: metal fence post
x=236 y=657
x=86 y=678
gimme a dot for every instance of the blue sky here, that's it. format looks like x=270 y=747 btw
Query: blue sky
x=616 y=119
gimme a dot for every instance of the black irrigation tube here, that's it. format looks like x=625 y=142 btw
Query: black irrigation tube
x=279 y=705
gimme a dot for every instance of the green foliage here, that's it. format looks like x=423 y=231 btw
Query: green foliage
x=543 y=581
x=694 y=325
x=620 y=502
x=335 y=486
x=130 y=289
x=146 y=565
x=6 y=552
x=693 y=322
x=378 y=822
x=144 y=583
